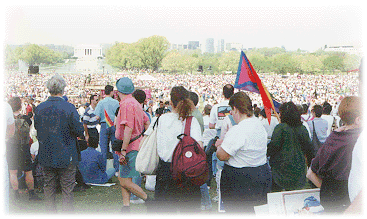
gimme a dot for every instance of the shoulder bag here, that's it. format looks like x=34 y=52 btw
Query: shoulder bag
x=147 y=158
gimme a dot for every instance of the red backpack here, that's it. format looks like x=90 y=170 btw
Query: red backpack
x=189 y=165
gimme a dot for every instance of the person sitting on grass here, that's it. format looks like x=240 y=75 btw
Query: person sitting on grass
x=91 y=165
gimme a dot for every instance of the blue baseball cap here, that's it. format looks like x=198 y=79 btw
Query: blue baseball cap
x=125 y=85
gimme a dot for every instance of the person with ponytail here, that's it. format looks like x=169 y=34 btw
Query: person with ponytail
x=168 y=197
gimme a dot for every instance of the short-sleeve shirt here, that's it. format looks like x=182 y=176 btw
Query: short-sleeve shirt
x=246 y=142
x=218 y=113
x=169 y=127
x=131 y=114
x=89 y=118
x=110 y=105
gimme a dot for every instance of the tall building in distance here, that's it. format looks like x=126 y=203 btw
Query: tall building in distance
x=220 y=46
x=209 y=45
x=193 y=45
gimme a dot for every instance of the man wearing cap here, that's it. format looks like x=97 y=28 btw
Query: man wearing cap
x=107 y=131
x=130 y=123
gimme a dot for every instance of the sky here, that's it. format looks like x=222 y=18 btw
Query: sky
x=261 y=24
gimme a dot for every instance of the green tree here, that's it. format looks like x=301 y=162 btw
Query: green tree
x=229 y=61
x=284 y=63
x=151 y=51
x=333 y=62
x=118 y=55
x=171 y=62
x=309 y=63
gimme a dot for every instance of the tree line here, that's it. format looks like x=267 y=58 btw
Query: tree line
x=153 y=53
x=34 y=54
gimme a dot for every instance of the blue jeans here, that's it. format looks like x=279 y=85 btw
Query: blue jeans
x=205 y=197
x=107 y=136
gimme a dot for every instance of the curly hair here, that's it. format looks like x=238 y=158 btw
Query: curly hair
x=289 y=114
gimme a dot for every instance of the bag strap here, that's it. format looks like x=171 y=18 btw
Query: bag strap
x=188 y=125
x=314 y=131
x=232 y=120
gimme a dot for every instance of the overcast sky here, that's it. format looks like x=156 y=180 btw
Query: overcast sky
x=278 y=24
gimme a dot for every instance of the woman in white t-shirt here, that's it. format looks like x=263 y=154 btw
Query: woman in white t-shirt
x=169 y=197
x=246 y=178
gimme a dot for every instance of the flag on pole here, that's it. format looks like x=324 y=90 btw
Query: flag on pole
x=247 y=79
x=108 y=119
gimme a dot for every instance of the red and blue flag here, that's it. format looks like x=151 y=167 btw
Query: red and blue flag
x=247 y=79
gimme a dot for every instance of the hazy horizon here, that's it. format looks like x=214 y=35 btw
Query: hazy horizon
x=294 y=26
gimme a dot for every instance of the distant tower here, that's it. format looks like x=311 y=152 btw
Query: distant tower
x=220 y=46
x=209 y=45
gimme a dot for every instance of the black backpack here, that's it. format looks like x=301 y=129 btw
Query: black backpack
x=22 y=128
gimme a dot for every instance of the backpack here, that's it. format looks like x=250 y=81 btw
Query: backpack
x=189 y=165
x=22 y=128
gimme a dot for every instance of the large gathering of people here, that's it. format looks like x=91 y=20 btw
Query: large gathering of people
x=75 y=122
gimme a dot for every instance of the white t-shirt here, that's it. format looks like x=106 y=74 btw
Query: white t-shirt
x=330 y=120
x=218 y=113
x=246 y=143
x=355 y=181
x=269 y=128
x=208 y=134
x=169 y=127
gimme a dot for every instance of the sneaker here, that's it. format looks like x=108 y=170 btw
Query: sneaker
x=137 y=201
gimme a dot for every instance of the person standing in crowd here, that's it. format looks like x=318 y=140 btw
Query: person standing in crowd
x=321 y=125
x=130 y=123
x=58 y=126
x=305 y=116
x=326 y=110
x=301 y=110
x=90 y=120
x=160 y=110
x=331 y=167
x=268 y=127
x=140 y=96
x=91 y=165
x=168 y=196
x=107 y=132
x=196 y=113
x=287 y=149
x=217 y=115
x=18 y=151
x=246 y=177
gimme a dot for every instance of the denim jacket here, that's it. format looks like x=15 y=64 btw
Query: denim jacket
x=58 y=126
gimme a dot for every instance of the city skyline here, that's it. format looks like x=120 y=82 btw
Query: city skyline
x=294 y=27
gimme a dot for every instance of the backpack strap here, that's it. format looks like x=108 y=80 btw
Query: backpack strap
x=232 y=120
x=188 y=125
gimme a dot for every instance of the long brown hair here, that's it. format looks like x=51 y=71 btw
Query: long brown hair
x=180 y=100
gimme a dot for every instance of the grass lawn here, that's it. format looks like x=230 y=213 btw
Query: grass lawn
x=96 y=200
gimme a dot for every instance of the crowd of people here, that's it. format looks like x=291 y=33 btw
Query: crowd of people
x=310 y=141
x=314 y=89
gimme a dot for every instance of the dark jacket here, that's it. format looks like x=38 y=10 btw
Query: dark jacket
x=287 y=150
x=58 y=126
x=92 y=167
